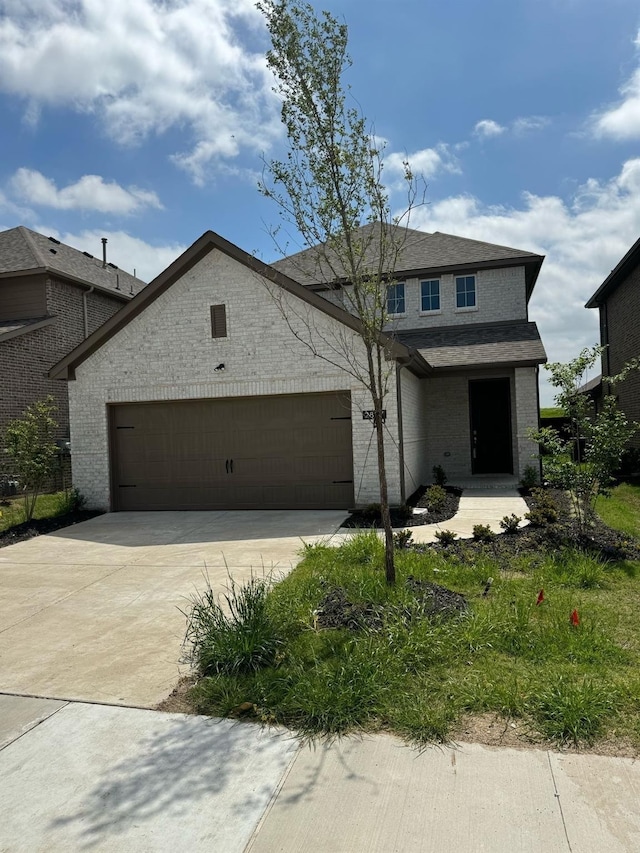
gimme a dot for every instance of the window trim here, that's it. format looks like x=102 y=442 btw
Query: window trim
x=429 y=312
x=465 y=309
x=397 y=284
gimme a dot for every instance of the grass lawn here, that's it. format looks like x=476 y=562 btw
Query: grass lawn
x=622 y=510
x=47 y=506
x=422 y=677
x=552 y=413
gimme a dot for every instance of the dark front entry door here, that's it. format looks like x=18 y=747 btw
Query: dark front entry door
x=490 y=409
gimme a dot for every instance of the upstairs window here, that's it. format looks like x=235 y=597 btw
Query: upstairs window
x=465 y=291
x=218 y=321
x=395 y=298
x=430 y=295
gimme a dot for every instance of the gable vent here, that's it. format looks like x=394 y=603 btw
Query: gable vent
x=218 y=321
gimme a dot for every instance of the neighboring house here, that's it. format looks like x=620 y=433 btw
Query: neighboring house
x=198 y=395
x=51 y=298
x=618 y=301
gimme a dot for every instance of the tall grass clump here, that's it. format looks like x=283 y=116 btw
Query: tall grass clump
x=232 y=634
x=572 y=710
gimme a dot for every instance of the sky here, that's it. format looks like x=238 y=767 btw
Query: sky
x=148 y=122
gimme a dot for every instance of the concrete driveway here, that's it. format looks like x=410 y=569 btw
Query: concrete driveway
x=93 y=612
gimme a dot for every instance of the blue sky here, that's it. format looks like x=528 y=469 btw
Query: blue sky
x=146 y=120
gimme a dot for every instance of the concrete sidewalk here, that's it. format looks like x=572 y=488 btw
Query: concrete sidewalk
x=76 y=776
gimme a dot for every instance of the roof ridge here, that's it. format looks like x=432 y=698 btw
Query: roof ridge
x=26 y=233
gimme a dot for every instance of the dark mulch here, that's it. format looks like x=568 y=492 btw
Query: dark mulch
x=432 y=601
x=601 y=540
x=38 y=526
x=404 y=517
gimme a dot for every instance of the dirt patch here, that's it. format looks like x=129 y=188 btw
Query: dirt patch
x=404 y=516
x=40 y=526
x=178 y=701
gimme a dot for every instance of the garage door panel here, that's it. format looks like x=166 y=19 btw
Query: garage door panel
x=280 y=452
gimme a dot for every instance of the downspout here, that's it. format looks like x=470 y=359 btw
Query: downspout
x=86 y=310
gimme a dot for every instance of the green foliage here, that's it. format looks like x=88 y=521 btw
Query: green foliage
x=30 y=444
x=569 y=710
x=402 y=538
x=435 y=498
x=544 y=511
x=511 y=523
x=530 y=477
x=417 y=676
x=439 y=475
x=445 y=537
x=483 y=533
x=587 y=473
x=236 y=636
x=621 y=508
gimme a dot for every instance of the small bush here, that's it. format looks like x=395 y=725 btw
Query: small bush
x=630 y=461
x=446 y=537
x=511 y=523
x=372 y=511
x=529 y=477
x=483 y=533
x=435 y=498
x=439 y=475
x=545 y=509
x=73 y=501
x=568 y=711
x=235 y=639
x=402 y=538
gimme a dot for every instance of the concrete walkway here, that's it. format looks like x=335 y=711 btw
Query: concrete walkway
x=87 y=777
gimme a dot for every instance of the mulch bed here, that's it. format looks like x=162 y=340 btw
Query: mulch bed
x=403 y=516
x=38 y=526
x=601 y=540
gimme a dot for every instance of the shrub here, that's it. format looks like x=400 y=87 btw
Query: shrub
x=435 y=498
x=529 y=477
x=545 y=509
x=439 y=475
x=372 y=511
x=446 y=537
x=630 y=461
x=511 y=523
x=402 y=538
x=483 y=533
x=235 y=639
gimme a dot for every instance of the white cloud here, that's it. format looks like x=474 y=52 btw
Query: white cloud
x=527 y=124
x=583 y=238
x=426 y=163
x=126 y=251
x=487 y=128
x=144 y=66
x=91 y=192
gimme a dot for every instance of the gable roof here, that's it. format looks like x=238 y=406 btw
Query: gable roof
x=421 y=253
x=616 y=276
x=514 y=343
x=23 y=251
x=209 y=241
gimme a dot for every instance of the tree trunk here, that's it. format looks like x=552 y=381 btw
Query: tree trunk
x=389 y=565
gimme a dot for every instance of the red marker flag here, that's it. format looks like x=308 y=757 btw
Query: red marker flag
x=540 y=598
x=574 y=619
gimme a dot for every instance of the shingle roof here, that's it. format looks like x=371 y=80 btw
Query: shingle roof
x=477 y=345
x=617 y=275
x=13 y=328
x=22 y=250
x=420 y=252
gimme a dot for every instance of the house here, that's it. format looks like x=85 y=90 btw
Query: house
x=202 y=393
x=618 y=301
x=51 y=297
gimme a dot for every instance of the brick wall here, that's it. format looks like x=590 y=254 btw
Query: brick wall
x=167 y=353
x=623 y=321
x=25 y=360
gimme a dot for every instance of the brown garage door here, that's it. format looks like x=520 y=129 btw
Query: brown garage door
x=283 y=452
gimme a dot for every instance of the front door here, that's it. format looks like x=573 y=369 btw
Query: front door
x=490 y=411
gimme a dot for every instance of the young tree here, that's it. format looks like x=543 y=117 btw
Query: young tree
x=29 y=442
x=583 y=463
x=328 y=187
